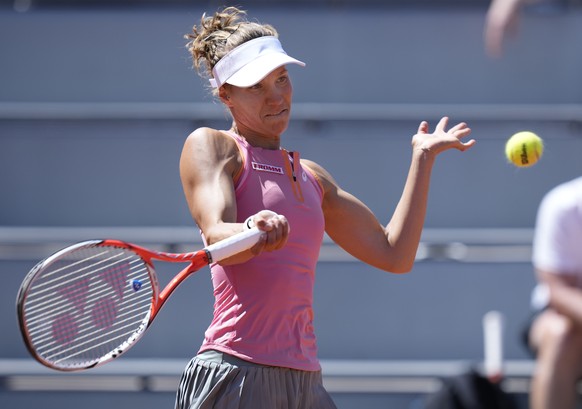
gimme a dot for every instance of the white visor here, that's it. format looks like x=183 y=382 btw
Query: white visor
x=250 y=62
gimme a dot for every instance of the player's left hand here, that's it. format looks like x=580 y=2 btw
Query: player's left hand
x=441 y=139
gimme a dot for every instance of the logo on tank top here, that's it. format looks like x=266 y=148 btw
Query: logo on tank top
x=261 y=167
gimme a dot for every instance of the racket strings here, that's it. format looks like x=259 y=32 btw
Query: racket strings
x=87 y=304
x=71 y=302
x=101 y=343
x=73 y=298
x=83 y=325
x=78 y=275
x=92 y=340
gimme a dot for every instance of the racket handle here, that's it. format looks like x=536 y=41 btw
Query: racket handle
x=233 y=244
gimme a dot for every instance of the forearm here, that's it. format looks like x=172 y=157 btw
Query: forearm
x=275 y=230
x=567 y=301
x=405 y=227
x=222 y=231
x=217 y=226
x=219 y=231
x=392 y=248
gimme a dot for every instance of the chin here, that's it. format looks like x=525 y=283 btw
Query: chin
x=282 y=128
x=280 y=125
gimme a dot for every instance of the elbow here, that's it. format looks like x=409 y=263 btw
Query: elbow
x=404 y=269
x=400 y=267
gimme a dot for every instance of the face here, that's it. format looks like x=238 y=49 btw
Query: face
x=262 y=110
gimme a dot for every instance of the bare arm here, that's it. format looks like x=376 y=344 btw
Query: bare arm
x=208 y=165
x=564 y=295
x=502 y=19
x=354 y=227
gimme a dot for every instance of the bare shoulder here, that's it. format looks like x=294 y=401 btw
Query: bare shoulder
x=208 y=144
x=208 y=148
x=210 y=138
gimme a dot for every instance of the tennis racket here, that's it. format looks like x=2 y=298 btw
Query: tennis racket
x=90 y=302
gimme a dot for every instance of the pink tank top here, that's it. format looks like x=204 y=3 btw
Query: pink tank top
x=263 y=308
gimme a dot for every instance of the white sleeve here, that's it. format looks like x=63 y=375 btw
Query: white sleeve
x=557 y=245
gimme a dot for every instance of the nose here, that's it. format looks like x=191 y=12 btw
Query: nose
x=275 y=96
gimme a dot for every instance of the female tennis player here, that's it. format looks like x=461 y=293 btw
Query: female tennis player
x=260 y=349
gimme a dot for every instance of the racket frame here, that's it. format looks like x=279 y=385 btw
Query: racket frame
x=198 y=259
x=47 y=262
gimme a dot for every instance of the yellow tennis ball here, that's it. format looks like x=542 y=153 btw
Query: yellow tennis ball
x=524 y=149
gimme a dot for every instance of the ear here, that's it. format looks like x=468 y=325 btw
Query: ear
x=224 y=96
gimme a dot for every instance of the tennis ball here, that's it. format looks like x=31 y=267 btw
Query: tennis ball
x=524 y=149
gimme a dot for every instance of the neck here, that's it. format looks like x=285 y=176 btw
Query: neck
x=258 y=140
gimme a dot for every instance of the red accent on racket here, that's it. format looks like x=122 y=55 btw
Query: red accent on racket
x=90 y=302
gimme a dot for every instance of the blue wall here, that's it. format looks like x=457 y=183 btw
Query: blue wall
x=124 y=172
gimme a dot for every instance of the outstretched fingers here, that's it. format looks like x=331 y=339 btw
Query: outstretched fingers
x=463 y=146
x=442 y=138
x=442 y=125
x=460 y=131
x=423 y=127
x=459 y=127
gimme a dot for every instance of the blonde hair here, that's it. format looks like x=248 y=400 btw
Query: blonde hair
x=218 y=34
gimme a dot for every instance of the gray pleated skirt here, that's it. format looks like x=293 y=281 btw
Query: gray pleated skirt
x=213 y=380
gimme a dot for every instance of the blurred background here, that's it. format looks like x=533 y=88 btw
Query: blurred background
x=97 y=98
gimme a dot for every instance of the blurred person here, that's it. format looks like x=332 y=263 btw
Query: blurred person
x=554 y=334
x=260 y=349
x=502 y=21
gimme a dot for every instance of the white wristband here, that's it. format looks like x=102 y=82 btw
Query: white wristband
x=249 y=223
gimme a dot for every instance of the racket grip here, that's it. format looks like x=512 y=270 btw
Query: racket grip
x=234 y=244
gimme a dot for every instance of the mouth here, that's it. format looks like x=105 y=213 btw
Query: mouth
x=282 y=112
